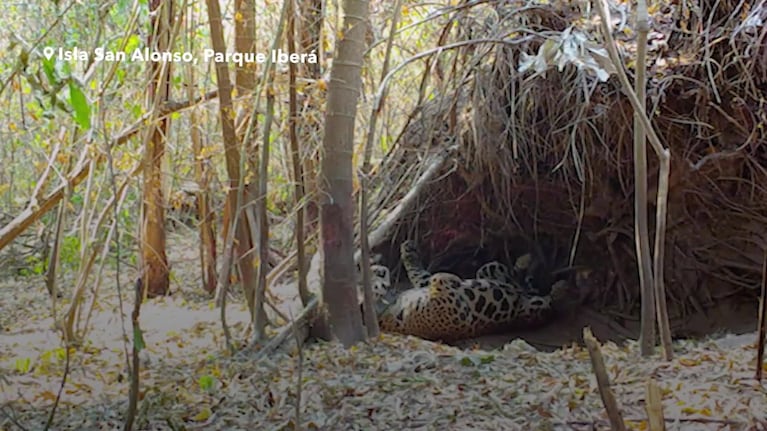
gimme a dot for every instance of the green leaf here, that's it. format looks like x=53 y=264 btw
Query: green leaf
x=132 y=43
x=61 y=354
x=23 y=365
x=120 y=75
x=138 y=338
x=486 y=359
x=206 y=382
x=49 y=67
x=39 y=268
x=80 y=105
x=64 y=68
x=137 y=111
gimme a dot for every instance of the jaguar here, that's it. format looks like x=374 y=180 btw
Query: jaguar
x=446 y=307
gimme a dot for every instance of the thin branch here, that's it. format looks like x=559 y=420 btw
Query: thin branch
x=371 y=320
x=663 y=153
x=603 y=381
x=299 y=373
x=641 y=229
x=64 y=378
x=433 y=167
x=762 y=321
x=287 y=330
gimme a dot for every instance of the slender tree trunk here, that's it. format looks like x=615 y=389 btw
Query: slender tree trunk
x=259 y=317
x=245 y=84
x=641 y=229
x=235 y=192
x=202 y=174
x=154 y=259
x=245 y=41
x=311 y=14
x=295 y=157
x=337 y=205
x=371 y=320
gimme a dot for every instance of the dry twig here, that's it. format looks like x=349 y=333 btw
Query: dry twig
x=762 y=322
x=603 y=382
x=299 y=373
x=654 y=406
x=288 y=329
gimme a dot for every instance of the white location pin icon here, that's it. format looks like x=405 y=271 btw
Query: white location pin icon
x=48 y=52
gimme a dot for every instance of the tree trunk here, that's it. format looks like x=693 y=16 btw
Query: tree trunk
x=245 y=41
x=295 y=157
x=154 y=260
x=235 y=191
x=245 y=84
x=337 y=205
x=310 y=37
x=205 y=214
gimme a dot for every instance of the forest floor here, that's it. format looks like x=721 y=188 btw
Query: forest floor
x=190 y=382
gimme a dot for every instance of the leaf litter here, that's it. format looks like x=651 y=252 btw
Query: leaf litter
x=393 y=382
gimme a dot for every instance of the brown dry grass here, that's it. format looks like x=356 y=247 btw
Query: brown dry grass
x=545 y=160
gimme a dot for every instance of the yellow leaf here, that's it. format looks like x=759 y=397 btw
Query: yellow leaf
x=83 y=387
x=688 y=362
x=46 y=395
x=637 y=425
x=23 y=365
x=61 y=354
x=203 y=415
